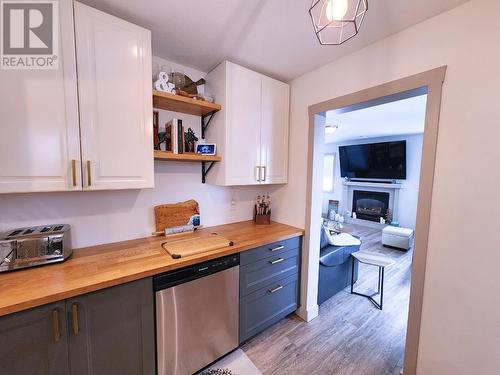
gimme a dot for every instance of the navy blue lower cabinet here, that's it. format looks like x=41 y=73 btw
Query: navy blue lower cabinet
x=269 y=286
x=110 y=331
x=35 y=341
x=257 y=275
x=267 y=306
x=272 y=249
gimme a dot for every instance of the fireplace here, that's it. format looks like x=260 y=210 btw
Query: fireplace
x=370 y=205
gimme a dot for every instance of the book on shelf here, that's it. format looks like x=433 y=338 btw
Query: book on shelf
x=180 y=137
x=176 y=132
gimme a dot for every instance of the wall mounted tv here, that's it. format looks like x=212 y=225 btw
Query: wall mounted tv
x=385 y=160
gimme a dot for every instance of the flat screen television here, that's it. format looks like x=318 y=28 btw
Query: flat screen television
x=386 y=160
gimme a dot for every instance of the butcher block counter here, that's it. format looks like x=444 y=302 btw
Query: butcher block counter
x=98 y=267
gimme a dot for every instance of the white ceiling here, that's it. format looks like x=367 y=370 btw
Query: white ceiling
x=402 y=117
x=274 y=37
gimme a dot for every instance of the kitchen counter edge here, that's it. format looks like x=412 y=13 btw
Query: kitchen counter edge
x=139 y=258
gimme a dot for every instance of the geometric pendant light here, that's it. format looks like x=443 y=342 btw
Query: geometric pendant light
x=337 y=21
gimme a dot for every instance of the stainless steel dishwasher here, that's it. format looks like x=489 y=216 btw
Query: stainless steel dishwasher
x=196 y=315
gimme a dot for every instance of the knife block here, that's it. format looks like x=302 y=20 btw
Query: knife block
x=261 y=219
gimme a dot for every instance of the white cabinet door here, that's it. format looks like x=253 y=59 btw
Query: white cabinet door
x=243 y=105
x=274 y=131
x=115 y=97
x=39 y=136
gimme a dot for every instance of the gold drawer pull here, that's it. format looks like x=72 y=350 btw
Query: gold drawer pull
x=55 y=325
x=74 y=315
x=281 y=247
x=274 y=290
x=279 y=260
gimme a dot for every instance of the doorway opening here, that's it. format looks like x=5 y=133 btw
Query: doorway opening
x=372 y=202
x=379 y=169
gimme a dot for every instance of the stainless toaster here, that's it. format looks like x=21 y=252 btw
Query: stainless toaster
x=34 y=246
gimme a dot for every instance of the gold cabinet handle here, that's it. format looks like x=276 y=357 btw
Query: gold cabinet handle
x=89 y=173
x=74 y=315
x=276 y=261
x=257 y=173
x=281 y=247
x=274 y=290
x=73 y=171
x=55 y=325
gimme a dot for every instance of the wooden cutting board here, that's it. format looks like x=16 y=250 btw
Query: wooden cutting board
x=192 y=246
x=175 y=214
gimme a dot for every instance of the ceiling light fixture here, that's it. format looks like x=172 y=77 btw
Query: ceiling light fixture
x=330 y=129
x=337 y=21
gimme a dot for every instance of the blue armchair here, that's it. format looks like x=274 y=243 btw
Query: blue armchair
x=334 y=268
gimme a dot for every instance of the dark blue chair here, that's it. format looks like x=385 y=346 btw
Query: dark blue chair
x=334 y=268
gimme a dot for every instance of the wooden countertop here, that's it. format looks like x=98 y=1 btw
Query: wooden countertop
x=98 y=267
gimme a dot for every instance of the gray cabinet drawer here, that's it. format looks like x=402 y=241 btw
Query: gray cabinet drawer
x=267 y=306
x=266 y=271
x=266 y=251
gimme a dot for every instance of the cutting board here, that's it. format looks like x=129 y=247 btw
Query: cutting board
x=175 y=214
x=192 y=246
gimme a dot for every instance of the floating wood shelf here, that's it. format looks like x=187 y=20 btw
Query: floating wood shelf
x=177 y=103
x=166 y=155
x=207 y=161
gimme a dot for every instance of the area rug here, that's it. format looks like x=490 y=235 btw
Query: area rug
x=236 y=363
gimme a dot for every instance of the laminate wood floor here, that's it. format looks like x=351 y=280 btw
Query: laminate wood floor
x=350 y=336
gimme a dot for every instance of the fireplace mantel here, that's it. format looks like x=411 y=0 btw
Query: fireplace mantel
x=385 y=185
x=392 y=188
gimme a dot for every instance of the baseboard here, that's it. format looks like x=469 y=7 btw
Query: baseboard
x=308 y=314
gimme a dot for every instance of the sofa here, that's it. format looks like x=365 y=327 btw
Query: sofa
x=334 y=268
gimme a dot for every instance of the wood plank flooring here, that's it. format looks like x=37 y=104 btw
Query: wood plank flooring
x=350 y=336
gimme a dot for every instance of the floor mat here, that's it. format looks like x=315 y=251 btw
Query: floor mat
x=236 y=363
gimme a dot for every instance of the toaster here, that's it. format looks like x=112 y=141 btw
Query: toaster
x=34 y=246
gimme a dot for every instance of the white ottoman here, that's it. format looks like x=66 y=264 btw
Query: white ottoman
x=402 y=238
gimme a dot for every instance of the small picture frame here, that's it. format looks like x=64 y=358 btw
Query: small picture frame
x=333 y=209
x=206 y=149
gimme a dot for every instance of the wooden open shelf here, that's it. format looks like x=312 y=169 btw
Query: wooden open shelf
x=177 y=103
x=167 y=155
x=206 y=110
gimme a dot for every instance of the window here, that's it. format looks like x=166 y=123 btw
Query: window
x=328 y=169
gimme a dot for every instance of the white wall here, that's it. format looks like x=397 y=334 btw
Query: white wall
x=109 y=216
x=460 y=333
x=408 y=194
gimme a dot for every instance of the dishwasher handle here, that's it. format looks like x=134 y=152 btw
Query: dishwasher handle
x=186 y=274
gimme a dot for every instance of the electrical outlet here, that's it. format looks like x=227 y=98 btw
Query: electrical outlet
x=233 y=200
x=232 y=205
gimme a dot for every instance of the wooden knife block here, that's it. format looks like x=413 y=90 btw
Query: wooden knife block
x=261 y=219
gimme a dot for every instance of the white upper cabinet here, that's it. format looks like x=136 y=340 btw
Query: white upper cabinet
x=63 y=131
x=39 y=136
x=274 y=131
x=243 y=112
x=251 y=130
x=115 y=97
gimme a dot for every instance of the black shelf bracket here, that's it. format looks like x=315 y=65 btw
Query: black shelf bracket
x=205 y=170
x=205 y=121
